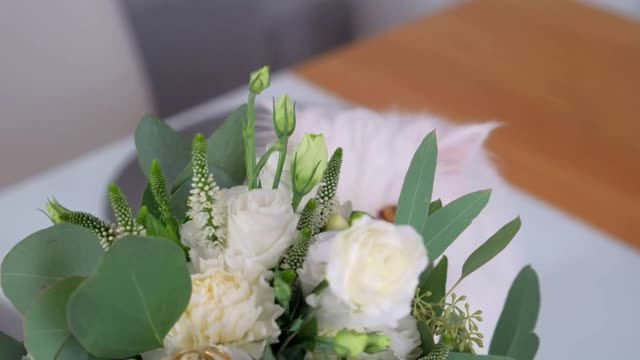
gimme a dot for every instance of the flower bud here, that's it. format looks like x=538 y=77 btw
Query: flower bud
x=337 y=223
x=56 y=212
x=357 y=215
x=309 y=163
x=284 y=116
x=376 y=343
x=259 y=80
x=350 y=343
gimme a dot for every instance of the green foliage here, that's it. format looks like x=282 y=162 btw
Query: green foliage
x=159 y=191
x=225 y=150
x=454 y=323
x=127 y=224
x=11 y=348
x=283 y=286
x=446 y=224
x=426 y=338
x=435 y=206
x=45 y=257
x=415 y=197
x=308 y=217
x=132 y=300
x=514 y=335
x=439 y=352
x=326 y=196
x=491 y=247
x=105 y=231
x=294 y=257
x=432 y=286
x=45 y=324
x=155 y=140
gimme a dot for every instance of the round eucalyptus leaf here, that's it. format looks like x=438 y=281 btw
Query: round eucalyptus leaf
x=45 y=257
x=46 y=334
x=136 y=295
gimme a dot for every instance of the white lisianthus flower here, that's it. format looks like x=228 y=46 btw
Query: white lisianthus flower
x=261 y=225
x=268 y=174
x=231 y=305
x=374 y=268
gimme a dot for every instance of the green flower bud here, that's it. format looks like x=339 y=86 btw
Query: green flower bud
x=309 y=162
x=376 y=343
x=284 y=116
x=56 y=212
x=356 y=215
x=337 y=223
x=350 y=343
x=259 y=80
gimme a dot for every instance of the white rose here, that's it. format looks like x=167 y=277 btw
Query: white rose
x=374 y=267
x=231 y=305
x=261 y=225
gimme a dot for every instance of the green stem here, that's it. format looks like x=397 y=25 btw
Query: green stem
x=297 y=197
x=451 y=290
x=283 y=142
x=263 y=160
x=249 y=141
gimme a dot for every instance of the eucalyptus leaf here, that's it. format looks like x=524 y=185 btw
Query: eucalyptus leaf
x=72 y=350
x=133 y=299
x=179 y=199
x=225 y=150
x=268 y=354
x=45 y=257
x=156 y=140
x=435 y=206
x=11 y=348
x=225 y=154
x=435 y=281
x=491 y=247
x=445 y=225
x=514 y=334
x=45 y=324
x=415 y=196
x=426 y=338
x=465 y=356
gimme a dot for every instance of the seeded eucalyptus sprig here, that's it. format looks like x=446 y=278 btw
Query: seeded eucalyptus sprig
x=452 y=321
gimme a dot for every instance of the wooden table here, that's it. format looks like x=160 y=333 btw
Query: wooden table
x=563 y=77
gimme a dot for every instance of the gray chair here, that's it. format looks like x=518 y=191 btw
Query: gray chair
x=195 y=49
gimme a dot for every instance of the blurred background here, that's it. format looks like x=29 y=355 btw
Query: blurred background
x=563 y=76
x=86 y=71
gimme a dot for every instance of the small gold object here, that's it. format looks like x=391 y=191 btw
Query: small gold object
x=208 y=353
x=388 y=213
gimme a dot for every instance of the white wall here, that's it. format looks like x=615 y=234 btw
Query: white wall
x=69 y=81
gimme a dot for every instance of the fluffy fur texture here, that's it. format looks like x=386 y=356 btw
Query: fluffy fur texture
x=378 y=148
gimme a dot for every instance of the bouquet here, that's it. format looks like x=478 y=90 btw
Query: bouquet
x=224 y=260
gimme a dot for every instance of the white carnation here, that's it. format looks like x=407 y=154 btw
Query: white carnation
x=231 y=305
